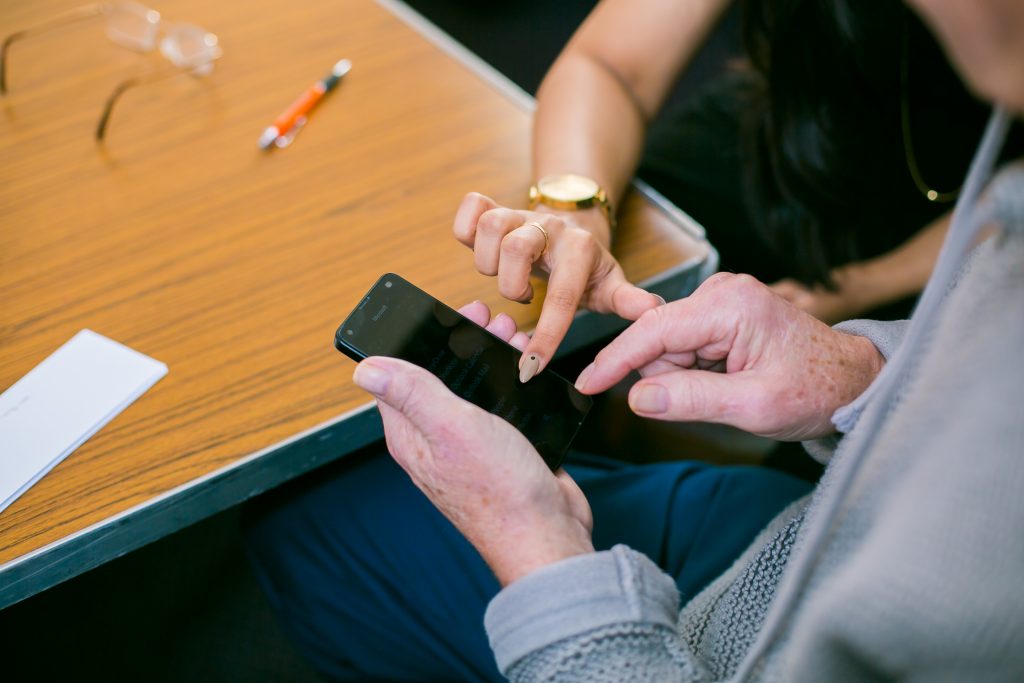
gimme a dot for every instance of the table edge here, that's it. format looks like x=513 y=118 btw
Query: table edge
x=338 y=437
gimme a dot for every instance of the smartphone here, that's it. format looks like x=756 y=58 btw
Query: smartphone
x=398 y=319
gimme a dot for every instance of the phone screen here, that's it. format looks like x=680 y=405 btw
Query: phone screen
x=397 y=319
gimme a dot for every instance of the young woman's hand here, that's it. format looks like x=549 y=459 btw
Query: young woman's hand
x=476 y=468
x=582 y=272
x=827 y=305
x=736 y=353
x=863 y=286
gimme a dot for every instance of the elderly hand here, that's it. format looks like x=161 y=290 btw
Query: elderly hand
x=476 y=468
x=738 y=354
x=581 y=269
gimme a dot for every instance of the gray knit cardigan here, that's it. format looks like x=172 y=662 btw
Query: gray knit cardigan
x=906 y=562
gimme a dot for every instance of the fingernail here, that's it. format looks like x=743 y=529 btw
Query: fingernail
x=528 y=368
x=651 y=398
x=661 y=299
x=581 y=381
x=371 y=378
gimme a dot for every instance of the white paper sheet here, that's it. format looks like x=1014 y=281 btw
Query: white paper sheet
x=63 y=401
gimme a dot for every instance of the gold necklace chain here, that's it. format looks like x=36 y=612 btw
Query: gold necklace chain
x=929 y=193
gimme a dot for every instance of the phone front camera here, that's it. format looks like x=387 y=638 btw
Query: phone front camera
x=388 y=283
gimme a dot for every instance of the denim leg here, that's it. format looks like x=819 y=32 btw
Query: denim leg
x=371 y=582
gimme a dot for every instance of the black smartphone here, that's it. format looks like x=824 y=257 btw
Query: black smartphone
x=398 y=319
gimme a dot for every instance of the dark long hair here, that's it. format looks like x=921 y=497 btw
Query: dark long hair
x=827 y=173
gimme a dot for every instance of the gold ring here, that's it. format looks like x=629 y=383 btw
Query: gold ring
x=544 y=232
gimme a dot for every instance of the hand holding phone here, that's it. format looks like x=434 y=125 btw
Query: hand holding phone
x=477 y=469
x=399 y=320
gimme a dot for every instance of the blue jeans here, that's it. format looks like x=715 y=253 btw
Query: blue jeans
x=372 y=583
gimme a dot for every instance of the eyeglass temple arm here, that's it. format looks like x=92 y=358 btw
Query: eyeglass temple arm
x=77 y=14
x=124 y=86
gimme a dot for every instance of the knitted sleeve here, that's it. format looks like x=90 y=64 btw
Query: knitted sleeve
x=612 y=616
x=607 y=616
x=886 y=337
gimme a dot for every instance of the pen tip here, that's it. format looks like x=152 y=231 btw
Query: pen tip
x=267 y=138
x=342 y=68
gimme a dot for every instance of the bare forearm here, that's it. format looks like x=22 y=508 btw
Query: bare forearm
x=901 y=272
x=587 y=123
x=595 y=102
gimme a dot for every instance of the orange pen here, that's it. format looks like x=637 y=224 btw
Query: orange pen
x=292 y=119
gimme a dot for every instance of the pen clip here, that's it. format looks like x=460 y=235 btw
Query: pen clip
x=284 y=140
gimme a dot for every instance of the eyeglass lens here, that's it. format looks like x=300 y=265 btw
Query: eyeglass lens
x=186 y=46
x=133 y=26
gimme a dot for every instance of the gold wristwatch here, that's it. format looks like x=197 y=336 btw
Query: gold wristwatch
x=568 y=192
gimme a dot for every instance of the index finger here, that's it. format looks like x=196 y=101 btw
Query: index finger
x=676 y=328
x=566 y=285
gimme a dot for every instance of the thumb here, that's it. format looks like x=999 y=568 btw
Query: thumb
x=414 y=392
x=694 y=396
x=629 y=302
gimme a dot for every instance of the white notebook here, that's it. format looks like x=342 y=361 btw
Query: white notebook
x=63 y=401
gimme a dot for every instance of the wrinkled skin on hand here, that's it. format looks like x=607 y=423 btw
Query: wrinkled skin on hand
x=476 y=468
x=736 y=353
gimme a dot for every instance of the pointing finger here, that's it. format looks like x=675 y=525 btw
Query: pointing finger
x=569 y=275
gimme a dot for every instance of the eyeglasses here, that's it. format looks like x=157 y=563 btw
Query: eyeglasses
x=191 y=49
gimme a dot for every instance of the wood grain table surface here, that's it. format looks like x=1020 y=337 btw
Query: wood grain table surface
x=180 y=239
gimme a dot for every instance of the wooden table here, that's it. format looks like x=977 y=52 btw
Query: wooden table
x=180 y=239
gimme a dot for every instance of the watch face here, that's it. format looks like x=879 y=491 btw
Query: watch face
x=568 y=188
